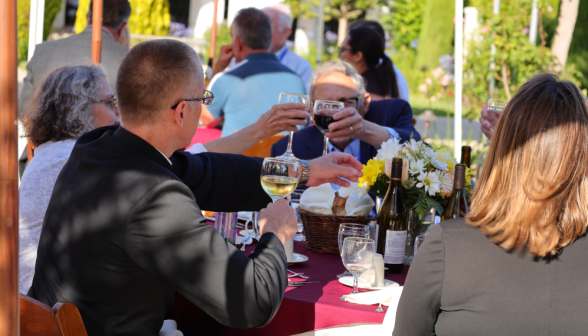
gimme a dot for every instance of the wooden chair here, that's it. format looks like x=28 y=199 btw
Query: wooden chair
x=264 y=147
x=38 y=319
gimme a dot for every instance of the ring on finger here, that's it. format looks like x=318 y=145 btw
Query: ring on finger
x=351 y=128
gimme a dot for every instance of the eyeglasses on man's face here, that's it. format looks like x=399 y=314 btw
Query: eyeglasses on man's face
x=206 y=99
x=352 y=101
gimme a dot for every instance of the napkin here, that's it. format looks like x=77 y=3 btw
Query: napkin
x=374 y=277
x=356 y=205
x=318 y=199
x=170 y=328
x=384 y=296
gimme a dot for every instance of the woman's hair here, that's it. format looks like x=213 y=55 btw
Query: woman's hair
x=62 y=106
x=533 y=192
x=372 y=46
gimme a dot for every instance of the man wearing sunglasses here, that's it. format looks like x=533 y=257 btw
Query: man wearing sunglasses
x=124 y=232
x=361 y=127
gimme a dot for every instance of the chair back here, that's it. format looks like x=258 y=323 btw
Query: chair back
x=264 y=147
x=38 y=319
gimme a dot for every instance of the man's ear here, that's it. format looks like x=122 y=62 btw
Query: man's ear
x=120 y=30
x=239 y=44
x=180 y=113
x=367 y=99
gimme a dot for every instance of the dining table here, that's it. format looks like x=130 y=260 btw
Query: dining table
x=309 y=307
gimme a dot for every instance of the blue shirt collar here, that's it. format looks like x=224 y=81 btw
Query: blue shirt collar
x=261 y=56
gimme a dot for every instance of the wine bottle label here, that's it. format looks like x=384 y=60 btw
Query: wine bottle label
x=395 y=247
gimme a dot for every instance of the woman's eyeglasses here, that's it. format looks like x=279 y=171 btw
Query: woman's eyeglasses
x=111 y=102
x=206 y=99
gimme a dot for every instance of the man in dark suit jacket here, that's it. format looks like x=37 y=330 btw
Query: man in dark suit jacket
x=361 y=127
x=123 y=232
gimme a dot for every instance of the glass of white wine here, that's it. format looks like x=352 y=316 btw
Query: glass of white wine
x=322 y=115
x=358 y=256
x=279 y=177
x=286 y=98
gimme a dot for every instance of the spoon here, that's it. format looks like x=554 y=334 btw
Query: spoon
x=246 y=241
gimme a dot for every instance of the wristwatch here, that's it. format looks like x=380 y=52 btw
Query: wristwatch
x=305 y=172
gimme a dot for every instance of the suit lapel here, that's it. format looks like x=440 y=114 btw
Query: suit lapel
x=314 y=142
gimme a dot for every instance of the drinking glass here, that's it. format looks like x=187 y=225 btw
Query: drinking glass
x=323 y=116
x=351 y=230
x=279 y=177
x=254 y=225
x=418 y=242
x=286 y=98
x=295 y=203
x=496 y=107
x=358 y=256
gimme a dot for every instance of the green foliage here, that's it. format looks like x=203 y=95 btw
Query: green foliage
x=81 y=20
x=223 y=37
x=578 y=54
x=436 y=35
x=149 y=17
x=516 y=59
x=404 y=22
x=52 y=7
x=312 y=53
x=334 y=9
x=23 y=8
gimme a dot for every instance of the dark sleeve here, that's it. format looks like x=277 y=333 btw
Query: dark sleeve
x=222 y=182
x=420 y=302
x=404 y=126
x=167 y=236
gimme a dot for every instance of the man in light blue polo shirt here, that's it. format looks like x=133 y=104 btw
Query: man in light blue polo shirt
x=249 y=90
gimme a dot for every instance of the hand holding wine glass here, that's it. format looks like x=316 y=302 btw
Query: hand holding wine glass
x=323 y=113
x=279 y=177
x=292 y=98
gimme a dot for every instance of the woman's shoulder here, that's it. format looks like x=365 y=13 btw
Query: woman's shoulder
x=459 y=228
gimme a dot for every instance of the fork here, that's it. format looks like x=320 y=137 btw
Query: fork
x=298 y=275
x=379 y=309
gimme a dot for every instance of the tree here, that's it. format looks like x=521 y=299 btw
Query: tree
x=578 y=54
x=568 y=14
x=436 y=36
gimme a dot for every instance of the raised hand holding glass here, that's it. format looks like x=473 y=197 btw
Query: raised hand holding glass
x=323 y=116
x=286 y=98
x=279 y=177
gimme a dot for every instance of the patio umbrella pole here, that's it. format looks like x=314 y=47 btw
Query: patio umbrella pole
x=96 y=31
x=458 y=70
x=212 y=51
x=8 y=172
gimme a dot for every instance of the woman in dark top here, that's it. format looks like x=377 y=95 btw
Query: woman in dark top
x=517 y=264
x=364 y=49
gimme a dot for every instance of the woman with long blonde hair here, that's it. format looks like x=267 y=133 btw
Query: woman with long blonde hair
x=517 y=264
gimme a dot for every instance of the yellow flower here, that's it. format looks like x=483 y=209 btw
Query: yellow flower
x=468 y=177
x=371 y=171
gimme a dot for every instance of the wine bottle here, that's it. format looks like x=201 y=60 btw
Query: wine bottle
x=457 y=206
x=466 y=155
x=393 y=222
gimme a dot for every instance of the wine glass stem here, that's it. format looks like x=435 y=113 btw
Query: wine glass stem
x=355 y=284
x=326 y=148
x=289 y=150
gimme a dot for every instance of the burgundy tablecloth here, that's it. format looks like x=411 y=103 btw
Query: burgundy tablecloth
x=204 y=135
x=310 y=307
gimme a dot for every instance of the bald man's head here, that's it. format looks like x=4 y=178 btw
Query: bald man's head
x=151 y=76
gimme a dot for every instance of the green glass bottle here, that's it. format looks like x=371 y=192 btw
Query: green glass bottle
x=393 y=222
x=457 y=206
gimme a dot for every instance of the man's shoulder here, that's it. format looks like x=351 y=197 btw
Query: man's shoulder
x=297 y=61
x=255 y=67
x=385 y=105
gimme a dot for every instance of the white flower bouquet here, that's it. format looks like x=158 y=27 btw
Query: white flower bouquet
x=428 y=176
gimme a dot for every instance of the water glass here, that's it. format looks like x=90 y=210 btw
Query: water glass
x=358 y=256
x=351 y=230
x=418 y=242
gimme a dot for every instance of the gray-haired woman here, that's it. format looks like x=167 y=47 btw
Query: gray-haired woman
x=70 y=102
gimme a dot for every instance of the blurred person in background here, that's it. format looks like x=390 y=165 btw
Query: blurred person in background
x=516 y=264
x=366 y=54
x=252 y=88
x=71 y=101
x=361 y=127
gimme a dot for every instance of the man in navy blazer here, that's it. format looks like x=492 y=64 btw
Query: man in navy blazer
x=361 y=127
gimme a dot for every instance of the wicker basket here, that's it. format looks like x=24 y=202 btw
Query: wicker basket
x=322 y=231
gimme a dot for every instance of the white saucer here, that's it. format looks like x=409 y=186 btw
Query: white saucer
x=297 y=258
x=250 y=233
x=348 y=281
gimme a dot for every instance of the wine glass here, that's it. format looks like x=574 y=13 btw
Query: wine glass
x=295 y=203
x=279 y=177
x=286 y=98
x=496 y=107
x=358 y=256
x=351 y=230
x=323 y=116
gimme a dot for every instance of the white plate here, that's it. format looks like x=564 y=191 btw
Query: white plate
x=247 y=233
x=297 y=258
x=348 y=281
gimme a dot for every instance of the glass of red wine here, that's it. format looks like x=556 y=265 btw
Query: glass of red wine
x=323 y=113
x=286 y=98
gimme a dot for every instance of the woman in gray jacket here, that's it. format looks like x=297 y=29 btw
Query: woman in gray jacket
x=517 y=264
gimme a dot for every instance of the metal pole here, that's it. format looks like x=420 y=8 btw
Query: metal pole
x=533 y=24
x=97 y=32
x=9 y=311
x=36 y=20
x=320 y=32
x=496 y=11
x=458 y=74
x=212 y=51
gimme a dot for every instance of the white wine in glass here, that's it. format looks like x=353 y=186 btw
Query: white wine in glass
x=279 y=177
x=322 y=115
x=286 y=98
